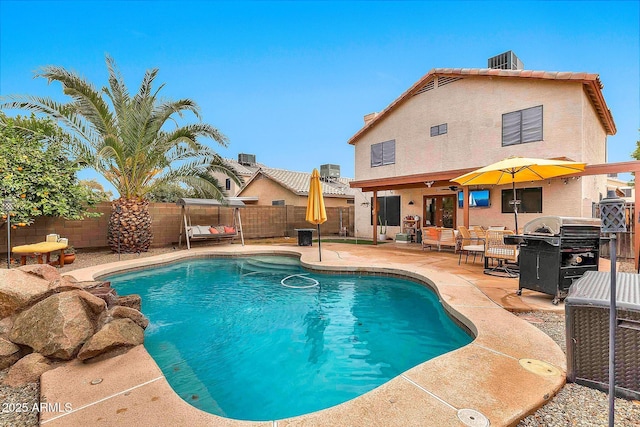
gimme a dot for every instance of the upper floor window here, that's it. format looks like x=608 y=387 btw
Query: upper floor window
x=383 y=153
x=277 y=203
x=522 y=126
x=439 y=130
x=227 y=184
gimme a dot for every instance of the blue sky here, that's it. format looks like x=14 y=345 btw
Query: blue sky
x=291 y=81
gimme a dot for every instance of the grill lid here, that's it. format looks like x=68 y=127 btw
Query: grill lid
x=551 y=225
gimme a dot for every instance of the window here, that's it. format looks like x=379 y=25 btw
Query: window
x=388 y=210
x=522 y=126
x=626 y=192
x=227 y=184
x=277 y=203
x=439 y=130
x=383 y=153
x=530 y=200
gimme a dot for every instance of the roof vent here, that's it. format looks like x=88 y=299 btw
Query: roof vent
x=329 y=172
x=506 y=61
x=247 y=159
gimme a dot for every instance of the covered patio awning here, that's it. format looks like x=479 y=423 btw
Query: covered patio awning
x=442 y=179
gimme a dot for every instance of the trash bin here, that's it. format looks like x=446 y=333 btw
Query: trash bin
x=305 y=236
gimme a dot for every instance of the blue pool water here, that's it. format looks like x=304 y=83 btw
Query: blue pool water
x=233 y=341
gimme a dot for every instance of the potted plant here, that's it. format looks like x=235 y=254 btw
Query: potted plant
x=382 y=236
x=69 y=255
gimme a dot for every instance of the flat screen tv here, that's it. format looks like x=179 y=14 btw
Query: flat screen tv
x=477 y=199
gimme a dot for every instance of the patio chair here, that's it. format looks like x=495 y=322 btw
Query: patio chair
x=495 y=248
x=439 y=237
x=480 y=231
x=470 y=244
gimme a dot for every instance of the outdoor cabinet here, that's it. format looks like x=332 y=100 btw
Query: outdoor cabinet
x=587 y=326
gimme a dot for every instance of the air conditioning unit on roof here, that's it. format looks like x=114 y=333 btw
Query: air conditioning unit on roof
x=247 y=159
x=329 y=172
x=505 y=61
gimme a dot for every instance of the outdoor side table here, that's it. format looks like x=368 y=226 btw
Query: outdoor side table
x=587 y=325
x=305 y=236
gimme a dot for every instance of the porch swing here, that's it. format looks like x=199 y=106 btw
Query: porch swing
x=209 y=232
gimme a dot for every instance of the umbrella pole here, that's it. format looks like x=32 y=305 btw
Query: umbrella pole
x=319 y=247
x=515 y=204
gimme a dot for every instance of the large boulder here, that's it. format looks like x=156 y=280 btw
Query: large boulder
x=58 y=326
x=27 y=370
x=114 y=337
x=121 y=312
x=133 y=301
x=9 y=353
x=19 y=290
x=43 y=271
x=5 y=327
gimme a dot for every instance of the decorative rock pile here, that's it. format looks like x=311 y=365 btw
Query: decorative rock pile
x=46 y=319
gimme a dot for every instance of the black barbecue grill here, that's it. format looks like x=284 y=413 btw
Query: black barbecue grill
x=555 y=251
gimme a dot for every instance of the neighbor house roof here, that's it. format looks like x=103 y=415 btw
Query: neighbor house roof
x=243 y=170
x=590 y=82
x=298 y=183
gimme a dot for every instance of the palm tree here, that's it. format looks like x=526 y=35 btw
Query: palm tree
x=134 y=142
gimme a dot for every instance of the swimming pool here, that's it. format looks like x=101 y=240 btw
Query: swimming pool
x=234 y=338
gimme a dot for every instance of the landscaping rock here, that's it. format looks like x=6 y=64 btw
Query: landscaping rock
x=63 y=284
x=9 y=353
x=58 y=326
x=116 y=335
x=5 y=327
x=27 y=370
x=43 y=271
x=121 y=312
x=133 y=301
x=19 y=290
x=107 y=294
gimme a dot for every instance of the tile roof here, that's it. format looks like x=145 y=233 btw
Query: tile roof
x=243 y=170
x=298 y=182
x=591 y=82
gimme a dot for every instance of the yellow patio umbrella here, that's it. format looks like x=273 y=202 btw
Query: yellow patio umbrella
x=316 y=213
x=519 y=169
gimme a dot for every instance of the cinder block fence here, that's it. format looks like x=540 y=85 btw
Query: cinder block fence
x=257 y=222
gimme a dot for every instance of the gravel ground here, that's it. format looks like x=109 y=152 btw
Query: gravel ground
x=573 y=405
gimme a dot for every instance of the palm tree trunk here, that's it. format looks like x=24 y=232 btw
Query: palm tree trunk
x=130 y=226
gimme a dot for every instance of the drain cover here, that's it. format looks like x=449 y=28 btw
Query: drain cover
x=472 y=418
x=539 y=367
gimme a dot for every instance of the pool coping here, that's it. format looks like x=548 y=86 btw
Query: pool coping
x=508 y=371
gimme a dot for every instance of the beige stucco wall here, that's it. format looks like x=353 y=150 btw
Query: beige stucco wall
x=268 y=190
x=235 y=188
x=472 y=109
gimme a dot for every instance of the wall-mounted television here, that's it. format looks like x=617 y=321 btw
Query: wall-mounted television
x=477 y=199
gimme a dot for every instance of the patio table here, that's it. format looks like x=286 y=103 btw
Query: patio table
x=39 y=249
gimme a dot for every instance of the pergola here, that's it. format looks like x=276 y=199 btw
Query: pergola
x=443 y=179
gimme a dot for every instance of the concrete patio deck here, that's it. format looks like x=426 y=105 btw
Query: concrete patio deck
x=508 y=371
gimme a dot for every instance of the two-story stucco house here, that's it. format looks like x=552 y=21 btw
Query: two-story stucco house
x=452 y=121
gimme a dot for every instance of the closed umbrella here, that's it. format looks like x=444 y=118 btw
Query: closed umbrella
x=316 y=213
x=519 y=169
